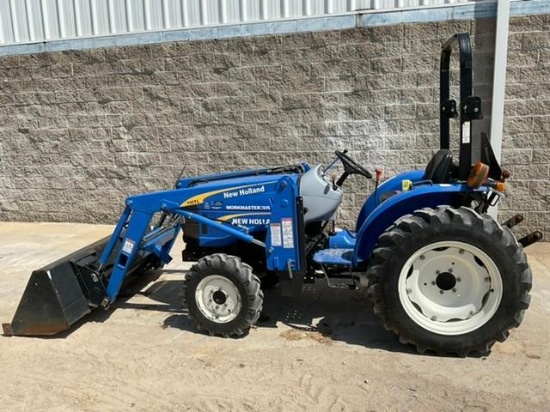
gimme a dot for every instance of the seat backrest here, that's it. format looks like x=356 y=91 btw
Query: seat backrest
x=439 y=167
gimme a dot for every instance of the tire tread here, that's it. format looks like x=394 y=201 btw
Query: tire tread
x=395 y=236
x=243 y=274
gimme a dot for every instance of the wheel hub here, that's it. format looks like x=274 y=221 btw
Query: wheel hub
x=450 y=287
x=218 y=298
x=445 y=281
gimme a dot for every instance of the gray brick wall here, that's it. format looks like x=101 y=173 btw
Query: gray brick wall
x=526 y=143
x=81 y=130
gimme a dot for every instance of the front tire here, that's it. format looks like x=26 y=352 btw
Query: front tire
x=449 y=280
x=222 y=295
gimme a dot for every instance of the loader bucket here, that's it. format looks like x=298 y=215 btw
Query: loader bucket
x=56 y=295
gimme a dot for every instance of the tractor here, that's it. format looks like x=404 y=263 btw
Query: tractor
x=442 y=274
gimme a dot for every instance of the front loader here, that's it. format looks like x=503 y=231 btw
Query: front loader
x=442 y=274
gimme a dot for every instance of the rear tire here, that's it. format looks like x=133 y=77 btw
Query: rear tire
x=449 y=280
x=222 y=295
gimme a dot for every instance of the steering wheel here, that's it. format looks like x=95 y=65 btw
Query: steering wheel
x=350 y=167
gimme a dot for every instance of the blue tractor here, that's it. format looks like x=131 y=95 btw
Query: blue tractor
x=442 y=274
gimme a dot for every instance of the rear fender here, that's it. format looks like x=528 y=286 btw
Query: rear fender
x=399 y=205
x=389 y=186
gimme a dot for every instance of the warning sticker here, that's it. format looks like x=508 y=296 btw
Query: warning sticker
x=276 y=239
x=288 y=235
x=466 y=132
x=128 y=246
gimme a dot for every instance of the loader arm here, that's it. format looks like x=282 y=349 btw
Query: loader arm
x=159 y=241
x=61 y=293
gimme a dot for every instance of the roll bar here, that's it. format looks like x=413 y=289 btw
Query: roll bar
x=469 y=106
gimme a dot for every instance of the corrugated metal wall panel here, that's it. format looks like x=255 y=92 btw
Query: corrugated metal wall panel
x=194 y=12
x=117 y=14
x=134 y=15
x=6 y=35
x=33 y=20
x=100 y=17
x=70 y=25
x=18 y=14
x=23 y=21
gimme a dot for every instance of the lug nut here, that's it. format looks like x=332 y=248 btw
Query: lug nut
x=458 y=279
x=422 y=257
x=441 y=292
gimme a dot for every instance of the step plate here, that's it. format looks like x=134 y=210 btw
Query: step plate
x=334 y=257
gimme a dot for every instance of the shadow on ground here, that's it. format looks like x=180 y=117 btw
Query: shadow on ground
x=335 y=314
x=320 y=312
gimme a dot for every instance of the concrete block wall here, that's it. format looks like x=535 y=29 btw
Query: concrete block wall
x=526 y=142
x=80 y=130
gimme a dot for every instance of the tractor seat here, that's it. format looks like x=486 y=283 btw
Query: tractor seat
x=440 y=168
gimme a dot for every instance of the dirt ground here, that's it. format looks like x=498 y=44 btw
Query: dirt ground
x=325 y=351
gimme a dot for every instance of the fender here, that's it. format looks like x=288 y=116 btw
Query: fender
x=391 y=185
x=400 y=204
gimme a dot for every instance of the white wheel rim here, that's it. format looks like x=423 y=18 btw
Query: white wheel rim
x=218 y=299
x=450 y=288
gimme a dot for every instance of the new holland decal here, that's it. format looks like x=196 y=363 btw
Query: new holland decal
x=247 y=219
x=228 y=193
